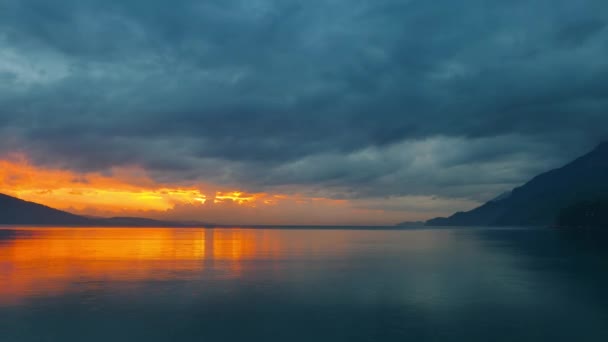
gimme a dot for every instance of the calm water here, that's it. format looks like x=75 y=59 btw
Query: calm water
x=65 y=284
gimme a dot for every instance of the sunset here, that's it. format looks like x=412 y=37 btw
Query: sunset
x=123 y=191
x=298 y=171
x=130 y=191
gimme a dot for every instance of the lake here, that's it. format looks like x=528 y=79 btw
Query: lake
x=457 y=284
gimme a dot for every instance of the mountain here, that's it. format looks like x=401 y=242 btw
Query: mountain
x=411 y=224
x=540 y=201
x=146 y=222
x=14 y=211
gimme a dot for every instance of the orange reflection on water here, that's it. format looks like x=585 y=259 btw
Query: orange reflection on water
x=46 y=261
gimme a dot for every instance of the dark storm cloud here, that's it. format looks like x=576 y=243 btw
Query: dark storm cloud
x=359 y=98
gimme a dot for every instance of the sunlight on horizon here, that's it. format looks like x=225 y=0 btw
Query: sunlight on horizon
x=132 y=192
x=126 y=189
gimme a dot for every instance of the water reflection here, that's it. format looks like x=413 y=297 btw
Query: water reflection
x=569 y=258
x=35 y=261
x=300 y=285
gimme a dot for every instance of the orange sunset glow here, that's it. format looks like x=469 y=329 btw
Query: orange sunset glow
x=130 y=191
x=125 y=190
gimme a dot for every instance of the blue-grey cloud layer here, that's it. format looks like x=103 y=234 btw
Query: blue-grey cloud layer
x=352 y=97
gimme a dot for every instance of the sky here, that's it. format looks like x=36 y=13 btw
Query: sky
x=294 y=112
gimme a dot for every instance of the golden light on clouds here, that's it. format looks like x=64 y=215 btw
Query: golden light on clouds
x=122 y=190
x=237 y=197
x=131 y=192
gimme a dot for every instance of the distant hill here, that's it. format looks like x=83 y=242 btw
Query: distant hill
x=14 y=211
x=145 y=222
x=540 y=201
x=411 y=224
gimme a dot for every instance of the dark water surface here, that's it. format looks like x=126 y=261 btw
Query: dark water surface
x=108 y=284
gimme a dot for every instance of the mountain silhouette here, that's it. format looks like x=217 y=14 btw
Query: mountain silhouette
x=540 y=201
x=14 y=211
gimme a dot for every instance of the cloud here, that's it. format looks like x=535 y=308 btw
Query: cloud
x=348 y=99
